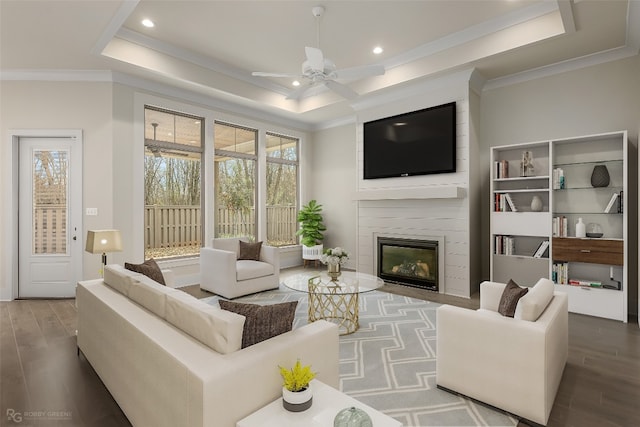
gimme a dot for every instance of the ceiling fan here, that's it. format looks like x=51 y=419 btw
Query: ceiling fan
x=320 y=71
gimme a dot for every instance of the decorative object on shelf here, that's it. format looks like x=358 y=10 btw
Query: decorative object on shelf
x=536 y=204
x=526 y=164
x=600 y=176
x=352 y=417
x=581 y=228
x=594 y=230
x=334 y=258
x=296 y=389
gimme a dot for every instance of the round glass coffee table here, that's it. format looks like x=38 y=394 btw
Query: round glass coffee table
x=335 y=301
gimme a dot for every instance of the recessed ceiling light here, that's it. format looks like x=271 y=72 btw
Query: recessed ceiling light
x=148 y=23
x=378 y=50
x=296 y=83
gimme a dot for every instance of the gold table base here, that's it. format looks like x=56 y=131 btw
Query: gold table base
x=330 y=302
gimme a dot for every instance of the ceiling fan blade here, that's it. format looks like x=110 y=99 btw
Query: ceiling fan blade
x=355 y=73
x=296 y=94
x=315 y=59
x=342 y=90
x=262 y=74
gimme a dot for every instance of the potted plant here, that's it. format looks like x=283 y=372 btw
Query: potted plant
x=311 y=228
x=296 y=387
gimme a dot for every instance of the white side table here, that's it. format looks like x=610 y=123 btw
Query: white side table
x=327 y=402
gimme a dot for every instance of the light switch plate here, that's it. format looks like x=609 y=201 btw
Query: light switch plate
x=92 y=211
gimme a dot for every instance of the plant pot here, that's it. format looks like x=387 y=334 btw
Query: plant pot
x=333 y=270
x=297 y=401
x=312 y=252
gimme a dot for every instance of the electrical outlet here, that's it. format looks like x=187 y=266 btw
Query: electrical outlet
x=92 y=211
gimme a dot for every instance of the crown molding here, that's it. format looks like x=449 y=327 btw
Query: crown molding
x=58 y=75
x=562 y=67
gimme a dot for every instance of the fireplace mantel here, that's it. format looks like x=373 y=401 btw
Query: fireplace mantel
x=436 y=192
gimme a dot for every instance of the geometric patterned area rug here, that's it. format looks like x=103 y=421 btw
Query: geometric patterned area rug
x=390 y=362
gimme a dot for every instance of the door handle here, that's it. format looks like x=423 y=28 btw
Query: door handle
x=75 y=238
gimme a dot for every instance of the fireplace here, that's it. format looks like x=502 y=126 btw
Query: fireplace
x=409 y=262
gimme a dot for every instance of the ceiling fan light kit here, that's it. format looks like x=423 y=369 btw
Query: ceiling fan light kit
x=318 y=70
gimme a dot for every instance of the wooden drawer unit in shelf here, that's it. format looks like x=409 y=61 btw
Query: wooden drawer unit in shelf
x=595 y=251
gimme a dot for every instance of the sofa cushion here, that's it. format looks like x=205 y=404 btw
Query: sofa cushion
x=263 y=321
x=510 y=297
x=118 y=278
x=149 y=268
x=149 y=294
x=230 y=245
x=247 y=269
x=250 y=250
x=531 y=306
x=218 y=329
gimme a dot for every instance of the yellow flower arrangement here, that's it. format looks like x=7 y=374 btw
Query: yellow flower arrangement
x=298 y=378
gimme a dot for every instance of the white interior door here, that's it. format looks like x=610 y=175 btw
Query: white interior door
x=50 y=215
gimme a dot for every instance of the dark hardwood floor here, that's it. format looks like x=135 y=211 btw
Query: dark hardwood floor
x=44 y=383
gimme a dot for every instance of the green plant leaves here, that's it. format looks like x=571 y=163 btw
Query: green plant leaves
x=311 y=226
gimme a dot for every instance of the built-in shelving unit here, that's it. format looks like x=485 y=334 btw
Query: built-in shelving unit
x=592 y=270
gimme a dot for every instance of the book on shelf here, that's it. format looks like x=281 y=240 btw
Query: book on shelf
x=560 y=273
x=613 y=199
x=583 y=282
x=510 y=202
x=621 y=202
x=542 y=248
x=504 y=245
x=558 y=179
x=502 y=169
x=559 y=226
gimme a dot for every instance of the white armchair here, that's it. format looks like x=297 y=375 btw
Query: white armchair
x=222 y=273
x=509 y=363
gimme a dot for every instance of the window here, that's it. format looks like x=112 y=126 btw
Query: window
x=282 y=190
x=172 y=183
x=235 y=180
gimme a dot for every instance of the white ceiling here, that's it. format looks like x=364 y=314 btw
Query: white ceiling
x=211 y=47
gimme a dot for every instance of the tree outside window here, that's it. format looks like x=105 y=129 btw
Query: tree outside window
x=235 y=180
x=282 y=189
x=172 y=184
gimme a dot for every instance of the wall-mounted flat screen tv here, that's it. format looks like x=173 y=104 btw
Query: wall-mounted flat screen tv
x=416 y=143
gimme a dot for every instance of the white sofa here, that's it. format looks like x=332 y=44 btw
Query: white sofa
x=222 y=273
x=170 y=360
x=509 y=363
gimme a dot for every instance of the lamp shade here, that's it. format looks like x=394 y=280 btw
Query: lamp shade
x=102 y=241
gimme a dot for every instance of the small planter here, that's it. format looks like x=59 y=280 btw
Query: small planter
x=312 y=252
x=297 y=401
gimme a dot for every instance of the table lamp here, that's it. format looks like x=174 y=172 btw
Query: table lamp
x=103 y=241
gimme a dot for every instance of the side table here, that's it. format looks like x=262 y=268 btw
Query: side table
x=327 y=402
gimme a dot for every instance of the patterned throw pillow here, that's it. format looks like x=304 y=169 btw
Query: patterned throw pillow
x=510 y=297
x=250 y=250
x=262 y=321
x=149 y=268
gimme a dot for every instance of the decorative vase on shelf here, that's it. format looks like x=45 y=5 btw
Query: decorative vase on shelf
x=333 y=270
x=581 y=228
x=536 y=204
x=352 y=417
x=297 y=401
x=600 y=176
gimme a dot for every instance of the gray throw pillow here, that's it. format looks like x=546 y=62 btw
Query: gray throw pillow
x=250 y=250
x=510 y=297
x=149 y=268
x=262 y=321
